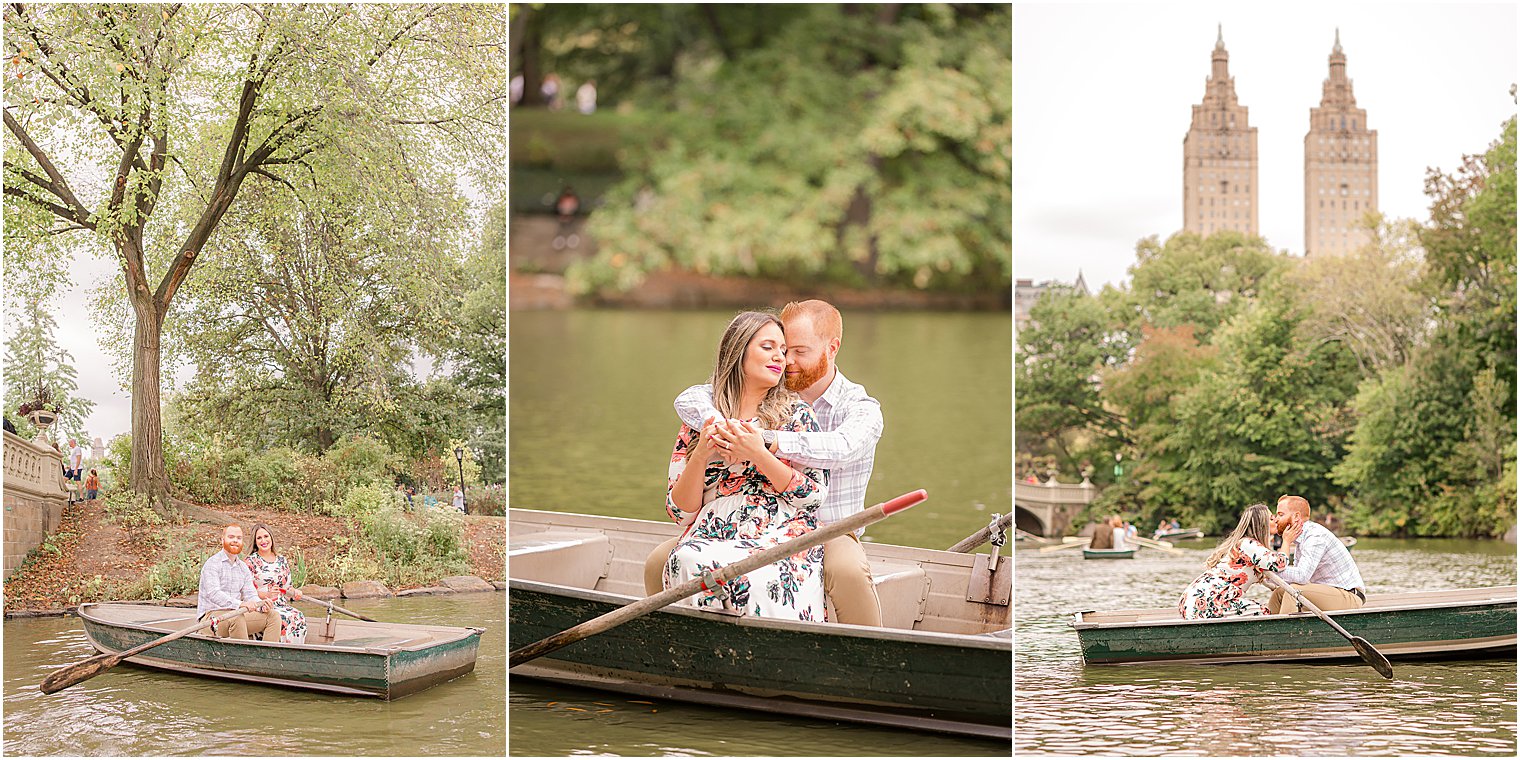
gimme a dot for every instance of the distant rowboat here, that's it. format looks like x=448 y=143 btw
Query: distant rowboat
x=942 y=661
x=1181 y=534
x=357 y=658
x=1476 y=622
x=1108 y=553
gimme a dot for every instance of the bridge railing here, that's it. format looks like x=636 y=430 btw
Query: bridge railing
x=34 y=496
x=1054 y=492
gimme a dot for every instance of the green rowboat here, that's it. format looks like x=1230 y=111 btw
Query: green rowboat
x=1109 y=553
x=349 y=657
x=1476 y=622
x=941 y=662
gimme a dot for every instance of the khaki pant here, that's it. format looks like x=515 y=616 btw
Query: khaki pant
x=846 y=578
x=237 y=628
x=1324 y=597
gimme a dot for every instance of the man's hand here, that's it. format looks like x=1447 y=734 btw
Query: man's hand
x=742 y=440
x=253 y=605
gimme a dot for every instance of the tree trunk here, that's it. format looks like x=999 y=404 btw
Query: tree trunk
x=148 y=476
x=532 y=47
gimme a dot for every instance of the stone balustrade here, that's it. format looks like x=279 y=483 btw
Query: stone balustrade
x=34 y=496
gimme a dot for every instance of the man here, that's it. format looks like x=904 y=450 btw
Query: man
x=1319 y=565
x=227 y=584
x=851 y=424
x=75 y=467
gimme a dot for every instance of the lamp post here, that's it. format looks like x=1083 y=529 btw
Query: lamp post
x=459 y=457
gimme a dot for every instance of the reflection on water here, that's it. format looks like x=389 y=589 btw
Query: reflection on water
x=548 y=719
x=138 y=711
x=593 y=423
x=1064 y=707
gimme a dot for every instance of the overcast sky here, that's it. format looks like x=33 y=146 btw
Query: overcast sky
x=1103 y=96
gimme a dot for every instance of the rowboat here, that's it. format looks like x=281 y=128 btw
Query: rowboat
x=1349 y=541
x=353 y=658
x=1108 y=553
x=1422 y=624
x=941 y=662
x=1180 y=534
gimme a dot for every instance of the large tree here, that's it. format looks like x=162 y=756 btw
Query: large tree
x=118 y=110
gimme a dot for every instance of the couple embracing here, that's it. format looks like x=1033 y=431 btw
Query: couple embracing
x=1312 y=560
x=778 y=443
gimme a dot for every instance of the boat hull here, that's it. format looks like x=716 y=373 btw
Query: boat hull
x=1108 y=553
x=933 y=681
x=1472 y=629
x=1179 y=535
x=386 y=673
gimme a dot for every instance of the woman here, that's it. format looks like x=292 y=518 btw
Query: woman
x=742 y=499
x=1232 y=568
x=1121 y=534
x=271 y=575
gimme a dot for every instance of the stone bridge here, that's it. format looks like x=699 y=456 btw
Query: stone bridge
x=34 y=496
x=1046 y=509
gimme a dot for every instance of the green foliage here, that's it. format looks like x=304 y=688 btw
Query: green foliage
x=383 y=110
x=177 y=574
x=35 y=361
x=1380 y=385
x=486 y=500
x=840 y=148
x=388 y=544
x=132 y=512
x=482 y=372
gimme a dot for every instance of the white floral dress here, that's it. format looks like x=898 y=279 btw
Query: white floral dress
x=1221 y=590
x=276 y=575
x=743 y=513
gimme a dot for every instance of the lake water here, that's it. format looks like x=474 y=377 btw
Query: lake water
x=138 y=711
x=1463 y=707
x=591 y=429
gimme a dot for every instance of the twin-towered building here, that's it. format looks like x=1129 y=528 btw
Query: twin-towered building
x=1220 y=189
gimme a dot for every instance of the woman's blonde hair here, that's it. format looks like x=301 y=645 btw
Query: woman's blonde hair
x=728 y=374
x=1253 y=524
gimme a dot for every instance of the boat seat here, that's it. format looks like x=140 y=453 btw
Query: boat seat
x=902 y=588
x=574 y=558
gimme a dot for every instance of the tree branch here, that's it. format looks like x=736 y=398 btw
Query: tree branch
x=59 y=186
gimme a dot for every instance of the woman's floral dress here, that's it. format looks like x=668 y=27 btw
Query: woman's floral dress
x=271 y=575
x=1221 y=590
x=743 y=513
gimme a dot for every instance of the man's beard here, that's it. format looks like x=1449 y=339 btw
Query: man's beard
x=228 y=548
x=806 y=376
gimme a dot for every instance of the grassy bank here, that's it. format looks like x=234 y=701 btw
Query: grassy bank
x=116 y=548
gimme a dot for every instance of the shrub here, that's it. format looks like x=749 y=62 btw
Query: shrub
x=365 y=500
x=132 y=512
x=178 y=574
x=486 y=500
x=361 y=460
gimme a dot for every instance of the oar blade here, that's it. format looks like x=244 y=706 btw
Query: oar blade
x=1376 y=659
x=83 y=671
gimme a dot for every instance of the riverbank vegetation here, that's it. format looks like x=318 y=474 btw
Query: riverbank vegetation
x=1380 y=385
x=843 y=145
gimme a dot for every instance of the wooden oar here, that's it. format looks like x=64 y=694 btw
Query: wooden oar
x=1363 y=647
x=980 y=537
x=1080 y=543
x=718 y=577
x=1148 y=543
x=83 y=671
x=332 y=607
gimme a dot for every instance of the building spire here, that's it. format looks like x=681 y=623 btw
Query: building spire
x=1219 y=43
x=1337 y=40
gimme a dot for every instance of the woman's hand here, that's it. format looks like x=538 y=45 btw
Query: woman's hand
x=742 y=440
x=1290 y=535
x=295 y=594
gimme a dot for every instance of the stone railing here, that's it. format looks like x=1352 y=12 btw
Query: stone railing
x=1053 y=492
x=34 y=496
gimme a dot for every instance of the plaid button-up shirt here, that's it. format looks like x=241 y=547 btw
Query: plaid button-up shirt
x=851 y=425
x=225 y=582
x=1320 y=557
